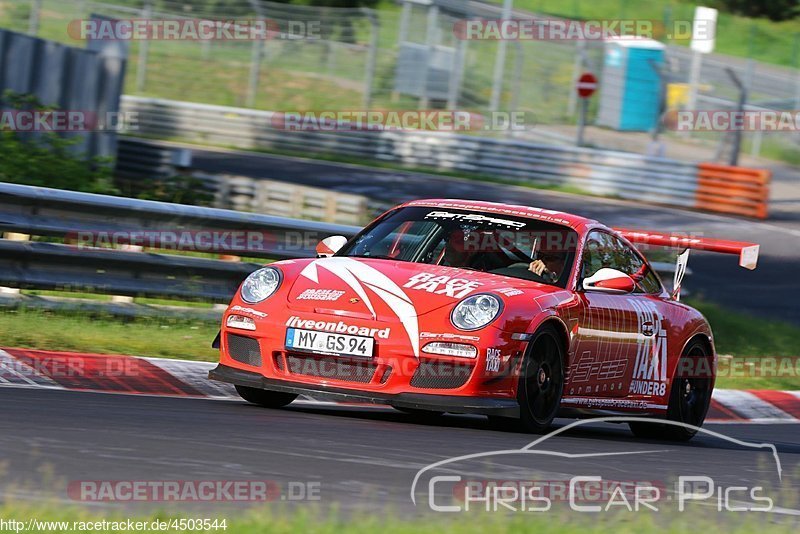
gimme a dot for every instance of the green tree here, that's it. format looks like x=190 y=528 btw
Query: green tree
x=775 y=10
x=48 y=159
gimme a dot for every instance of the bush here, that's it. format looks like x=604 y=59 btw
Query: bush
x=48 y=159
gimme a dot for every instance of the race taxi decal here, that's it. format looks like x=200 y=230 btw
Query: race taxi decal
x=442 y=285
x=650 y=368
x=359 y=276
x=493 y=360
x=329 y=295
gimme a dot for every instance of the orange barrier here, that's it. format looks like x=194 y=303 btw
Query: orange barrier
x=734 y=190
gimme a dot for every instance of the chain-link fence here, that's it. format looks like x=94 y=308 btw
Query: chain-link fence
x=403 y=56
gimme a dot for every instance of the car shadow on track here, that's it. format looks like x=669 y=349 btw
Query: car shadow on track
x=607 y=432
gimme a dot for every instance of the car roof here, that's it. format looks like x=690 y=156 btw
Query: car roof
x=558 y=217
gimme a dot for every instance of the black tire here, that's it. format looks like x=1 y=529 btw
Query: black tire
x=689 y=399
x=541 y=382
x=267 y=399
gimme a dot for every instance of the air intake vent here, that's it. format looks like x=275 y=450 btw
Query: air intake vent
x=441 y=375
x=244 y=349
x=333 y=368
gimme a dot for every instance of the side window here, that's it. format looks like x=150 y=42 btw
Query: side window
x=604 y=250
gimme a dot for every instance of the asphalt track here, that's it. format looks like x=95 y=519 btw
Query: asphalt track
x=363 y=459
x=771 y=291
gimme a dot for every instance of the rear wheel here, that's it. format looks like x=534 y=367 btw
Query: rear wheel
x=262 y=397
x=689 y=399
x=541 y=383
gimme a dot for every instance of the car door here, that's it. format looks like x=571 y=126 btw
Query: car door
x=608 y=331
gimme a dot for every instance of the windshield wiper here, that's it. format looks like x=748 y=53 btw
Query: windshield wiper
x=376 y=257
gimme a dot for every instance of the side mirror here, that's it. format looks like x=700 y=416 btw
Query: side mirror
x=330 y=246
x=609 y=281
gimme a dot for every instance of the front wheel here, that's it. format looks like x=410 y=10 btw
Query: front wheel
x=541 y=383
x=267 y=399
x=689 y=399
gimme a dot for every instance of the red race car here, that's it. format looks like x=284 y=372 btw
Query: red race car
x=474 y=307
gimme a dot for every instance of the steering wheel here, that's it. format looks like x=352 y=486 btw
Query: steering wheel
x=526 y=266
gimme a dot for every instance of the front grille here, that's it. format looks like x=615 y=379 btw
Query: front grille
x=332 y=368
x=244 y=349
x=441 y=375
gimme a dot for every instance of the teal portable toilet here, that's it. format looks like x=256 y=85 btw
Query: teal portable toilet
x=631 y=90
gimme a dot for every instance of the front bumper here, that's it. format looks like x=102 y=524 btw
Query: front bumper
x=422 y=401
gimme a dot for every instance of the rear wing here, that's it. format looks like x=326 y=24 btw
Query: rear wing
x=747 y=252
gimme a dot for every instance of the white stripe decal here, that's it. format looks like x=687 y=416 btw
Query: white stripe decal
x=356 y=275
x=749 y=405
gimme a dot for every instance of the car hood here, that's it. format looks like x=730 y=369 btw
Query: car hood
x=386 y=290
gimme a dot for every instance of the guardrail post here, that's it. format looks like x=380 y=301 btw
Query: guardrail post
x=255 y=62
x=144 y=50
x=454 y=90
x=13 y=236
x=372 y=56
x=33 y=19
x=124 y=299
x=430 y=43
x=500 y=62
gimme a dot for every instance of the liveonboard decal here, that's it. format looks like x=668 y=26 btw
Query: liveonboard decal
x=339 y=327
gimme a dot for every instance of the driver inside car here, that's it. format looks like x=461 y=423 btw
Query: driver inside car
x=477 y=250
x=549 y=265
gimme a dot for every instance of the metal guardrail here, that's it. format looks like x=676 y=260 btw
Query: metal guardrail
x=602 y=172
x=66 y=214
x=83 y=217
x=597 y=171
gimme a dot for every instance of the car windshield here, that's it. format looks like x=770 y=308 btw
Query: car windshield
x=483 y=241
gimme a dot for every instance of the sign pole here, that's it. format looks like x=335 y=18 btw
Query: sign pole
x=582 y=120
x=586 y=86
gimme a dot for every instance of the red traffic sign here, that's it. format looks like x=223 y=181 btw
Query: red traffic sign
x=587 y=85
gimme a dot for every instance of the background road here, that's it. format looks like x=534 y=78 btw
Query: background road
x=361 y=457
x=770 y=291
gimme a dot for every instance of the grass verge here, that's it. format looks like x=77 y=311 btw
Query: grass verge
x=737 y=335
x=746 y=338
x=61 y=518
x=182 y=338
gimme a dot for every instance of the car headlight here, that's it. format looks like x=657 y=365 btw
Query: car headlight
x=476 y=311
x=260 y=285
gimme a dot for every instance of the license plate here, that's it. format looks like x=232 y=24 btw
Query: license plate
x=329 y=343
